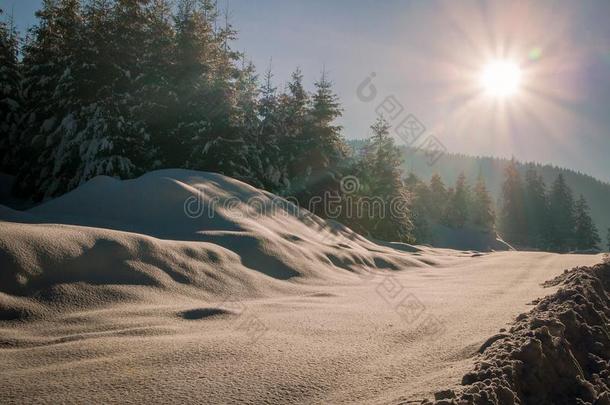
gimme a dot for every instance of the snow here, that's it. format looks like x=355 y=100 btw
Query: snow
x=188 y=285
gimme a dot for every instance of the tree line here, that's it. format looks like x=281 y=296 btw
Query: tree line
x=529 y=215
x=459 y=207
x=546 y=218
x=123 y=87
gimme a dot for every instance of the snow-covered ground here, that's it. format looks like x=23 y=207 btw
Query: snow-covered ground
x=193 y=287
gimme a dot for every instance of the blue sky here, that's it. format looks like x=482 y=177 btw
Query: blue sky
x=427 y=54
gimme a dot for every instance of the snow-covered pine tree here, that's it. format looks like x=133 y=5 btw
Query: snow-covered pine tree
x=273 y=171
x=110 y=137
x=586 y=234
x=206 y=76
x=51 y=102
x=245 y=120
x=382 y=162
x=10 y=97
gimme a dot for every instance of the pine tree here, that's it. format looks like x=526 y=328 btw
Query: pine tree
x=225 y=150
x=11 y=102
x=322 y=148
x=512 y=220
x=536 y=209
x=246 y=121
x=586 y=234
x=50 y=89
x=293 y=114
x=116 y=139
x=105 y=71
x=192 y=34
x=273 y=171
x=157 y=101
x=608 y=239
x=419 y=196
x=438 y=198
x=382 y=162
x=111 y=136
x=445 y=216
x=205 y=76
x=296 y=103
x=327 y=146
x=456 y=213
x=562 y=216
x=482 y=212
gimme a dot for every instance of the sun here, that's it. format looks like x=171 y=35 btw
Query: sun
x=501 y=78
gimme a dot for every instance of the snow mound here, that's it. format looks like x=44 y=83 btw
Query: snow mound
x=185 y=233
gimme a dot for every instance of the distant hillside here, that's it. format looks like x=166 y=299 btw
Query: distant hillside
x=450 y=166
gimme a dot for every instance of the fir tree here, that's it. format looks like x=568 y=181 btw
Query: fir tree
x=512 y=220
x=586 y=234
x=11 y=102
x=111 y=135
x=293 y=114
x=419 y=196
x=322 y=148
x=245 y=120
x=115 y=140
x=272 y=171
x=205 y=83
x=438 y=198
x=225 y=150
x=52 y=104
x=383 y=179
x=157 y=98
x=536 y=209
x=562 y=216
x=296 y=103
x=327 y=144
x=482 y=213
x=456 y=213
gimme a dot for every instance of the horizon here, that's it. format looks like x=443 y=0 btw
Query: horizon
x=564 y=123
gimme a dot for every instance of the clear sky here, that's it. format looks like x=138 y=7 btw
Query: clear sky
x=429 y=55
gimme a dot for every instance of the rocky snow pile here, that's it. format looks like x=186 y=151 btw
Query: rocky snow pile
x=559 y=353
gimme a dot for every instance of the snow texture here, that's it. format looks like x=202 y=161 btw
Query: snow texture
x=183 y=286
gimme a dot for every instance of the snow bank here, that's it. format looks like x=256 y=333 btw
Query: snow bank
x=179 y=232
x=559 y=353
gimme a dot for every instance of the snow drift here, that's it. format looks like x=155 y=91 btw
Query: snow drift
x=192 y=234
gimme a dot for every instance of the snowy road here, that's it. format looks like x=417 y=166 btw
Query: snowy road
x=356 y=342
